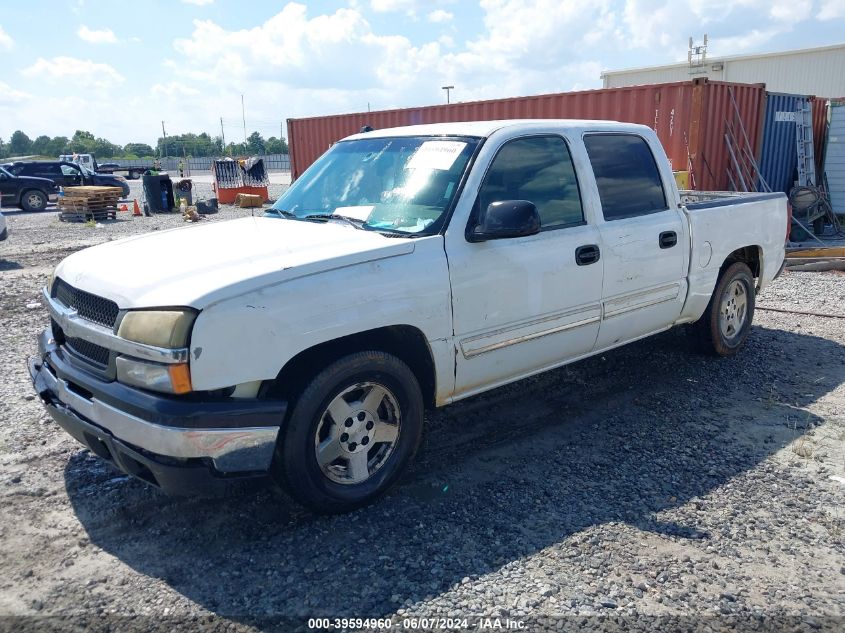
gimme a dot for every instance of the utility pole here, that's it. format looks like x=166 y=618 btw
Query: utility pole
x=222 y=135
x=164 y=147
x=243 y=116
x=447 y=89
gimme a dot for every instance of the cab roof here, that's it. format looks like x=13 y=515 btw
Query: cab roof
x=484 y=129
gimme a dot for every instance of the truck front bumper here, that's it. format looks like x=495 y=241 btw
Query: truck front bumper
x=184 y=447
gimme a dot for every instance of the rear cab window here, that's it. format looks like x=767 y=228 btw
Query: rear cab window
x=626 y=175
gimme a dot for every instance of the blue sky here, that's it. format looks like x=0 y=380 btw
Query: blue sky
x=119 y=68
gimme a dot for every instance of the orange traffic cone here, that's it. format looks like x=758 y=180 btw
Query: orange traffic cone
x=136 y=210
x=124 y=208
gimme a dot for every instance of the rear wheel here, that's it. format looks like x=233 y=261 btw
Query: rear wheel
x=351 y=433
x=33 y=200
x=724 y=326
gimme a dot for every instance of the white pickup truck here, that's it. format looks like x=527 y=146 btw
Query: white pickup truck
x=407 y=268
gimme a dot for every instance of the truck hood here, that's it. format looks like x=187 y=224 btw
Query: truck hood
x=33 y=181
x=199 y=265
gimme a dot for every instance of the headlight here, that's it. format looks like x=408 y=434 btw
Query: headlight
x=155 y=376
x=161 y=328
x=50 y=281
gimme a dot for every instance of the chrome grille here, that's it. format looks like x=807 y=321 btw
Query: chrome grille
x=91 y=307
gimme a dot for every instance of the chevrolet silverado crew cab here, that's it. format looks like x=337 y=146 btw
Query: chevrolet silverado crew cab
x=406 y=268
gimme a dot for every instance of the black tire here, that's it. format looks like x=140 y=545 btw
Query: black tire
x=295 y=466
x=708 y=331
x=134 y=175
x=33 y=200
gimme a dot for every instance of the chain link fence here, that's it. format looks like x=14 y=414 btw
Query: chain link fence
x=272 y=162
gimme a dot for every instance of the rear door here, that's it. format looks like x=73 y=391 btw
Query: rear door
x=525 y=304
x=644 y=238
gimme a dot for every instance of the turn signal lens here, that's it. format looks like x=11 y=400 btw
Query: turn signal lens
x=180 y=378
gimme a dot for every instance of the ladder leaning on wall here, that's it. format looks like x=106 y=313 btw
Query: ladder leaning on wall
x=804 y=142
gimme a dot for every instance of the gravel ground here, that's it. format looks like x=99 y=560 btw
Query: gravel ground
x=649 y=488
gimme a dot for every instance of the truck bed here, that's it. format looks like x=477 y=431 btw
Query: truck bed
x=722 y=222
x=695 y=200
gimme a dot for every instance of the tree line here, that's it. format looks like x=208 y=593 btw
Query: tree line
x=193 y=145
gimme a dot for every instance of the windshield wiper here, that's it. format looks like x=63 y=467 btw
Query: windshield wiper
x=358 y=224
x=282 y=213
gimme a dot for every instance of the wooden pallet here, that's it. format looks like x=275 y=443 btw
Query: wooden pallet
x=85 y=217
x=79 y=204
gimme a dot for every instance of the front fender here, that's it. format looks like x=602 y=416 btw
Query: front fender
x=251 y=337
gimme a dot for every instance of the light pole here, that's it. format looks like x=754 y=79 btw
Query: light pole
x=447 y=89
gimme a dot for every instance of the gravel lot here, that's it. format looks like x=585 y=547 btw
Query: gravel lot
x=647 y=489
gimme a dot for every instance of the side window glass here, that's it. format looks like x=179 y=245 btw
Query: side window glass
x=67 y=170
x=626 y=174
x=538 y=169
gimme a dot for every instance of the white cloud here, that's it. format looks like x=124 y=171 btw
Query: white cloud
x=439 y=16
x=385 y=6
x=749 y=41
x=10 y=96
x=102 y=36
x=790 y=10
x=6 y=42
x=831 y=9
x=198 y=3
x=173 y=89
x=307 y=60
x=84 y=72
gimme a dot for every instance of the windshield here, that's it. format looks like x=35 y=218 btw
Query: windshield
x=400 y=185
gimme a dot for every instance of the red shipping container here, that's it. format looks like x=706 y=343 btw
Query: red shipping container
x=689 y=118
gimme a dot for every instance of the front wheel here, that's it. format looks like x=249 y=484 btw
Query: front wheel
x=351 y=433
x=724 y=326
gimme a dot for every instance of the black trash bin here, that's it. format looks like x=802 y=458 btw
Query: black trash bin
x=158 y=193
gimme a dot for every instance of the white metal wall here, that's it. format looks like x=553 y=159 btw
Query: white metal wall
x=819 y=72
x=834 y=160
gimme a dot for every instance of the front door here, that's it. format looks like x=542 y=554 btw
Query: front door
x=644 y=236
x=7 y=189
x=71 y=176
x=522 y=305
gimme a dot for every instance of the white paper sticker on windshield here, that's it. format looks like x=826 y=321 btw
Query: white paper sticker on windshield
x=356 y=213
x=436 y=155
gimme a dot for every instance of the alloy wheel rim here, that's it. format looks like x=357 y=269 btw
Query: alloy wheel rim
x=733 y=309
x=357 y=433
x=35 y=201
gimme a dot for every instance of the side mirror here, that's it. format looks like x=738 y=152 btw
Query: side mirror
x=505 y=219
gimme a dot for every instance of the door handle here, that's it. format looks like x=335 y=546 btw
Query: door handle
x=587 y=254
x=668 y=239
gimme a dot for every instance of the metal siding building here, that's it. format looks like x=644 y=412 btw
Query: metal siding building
x=811 y=71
